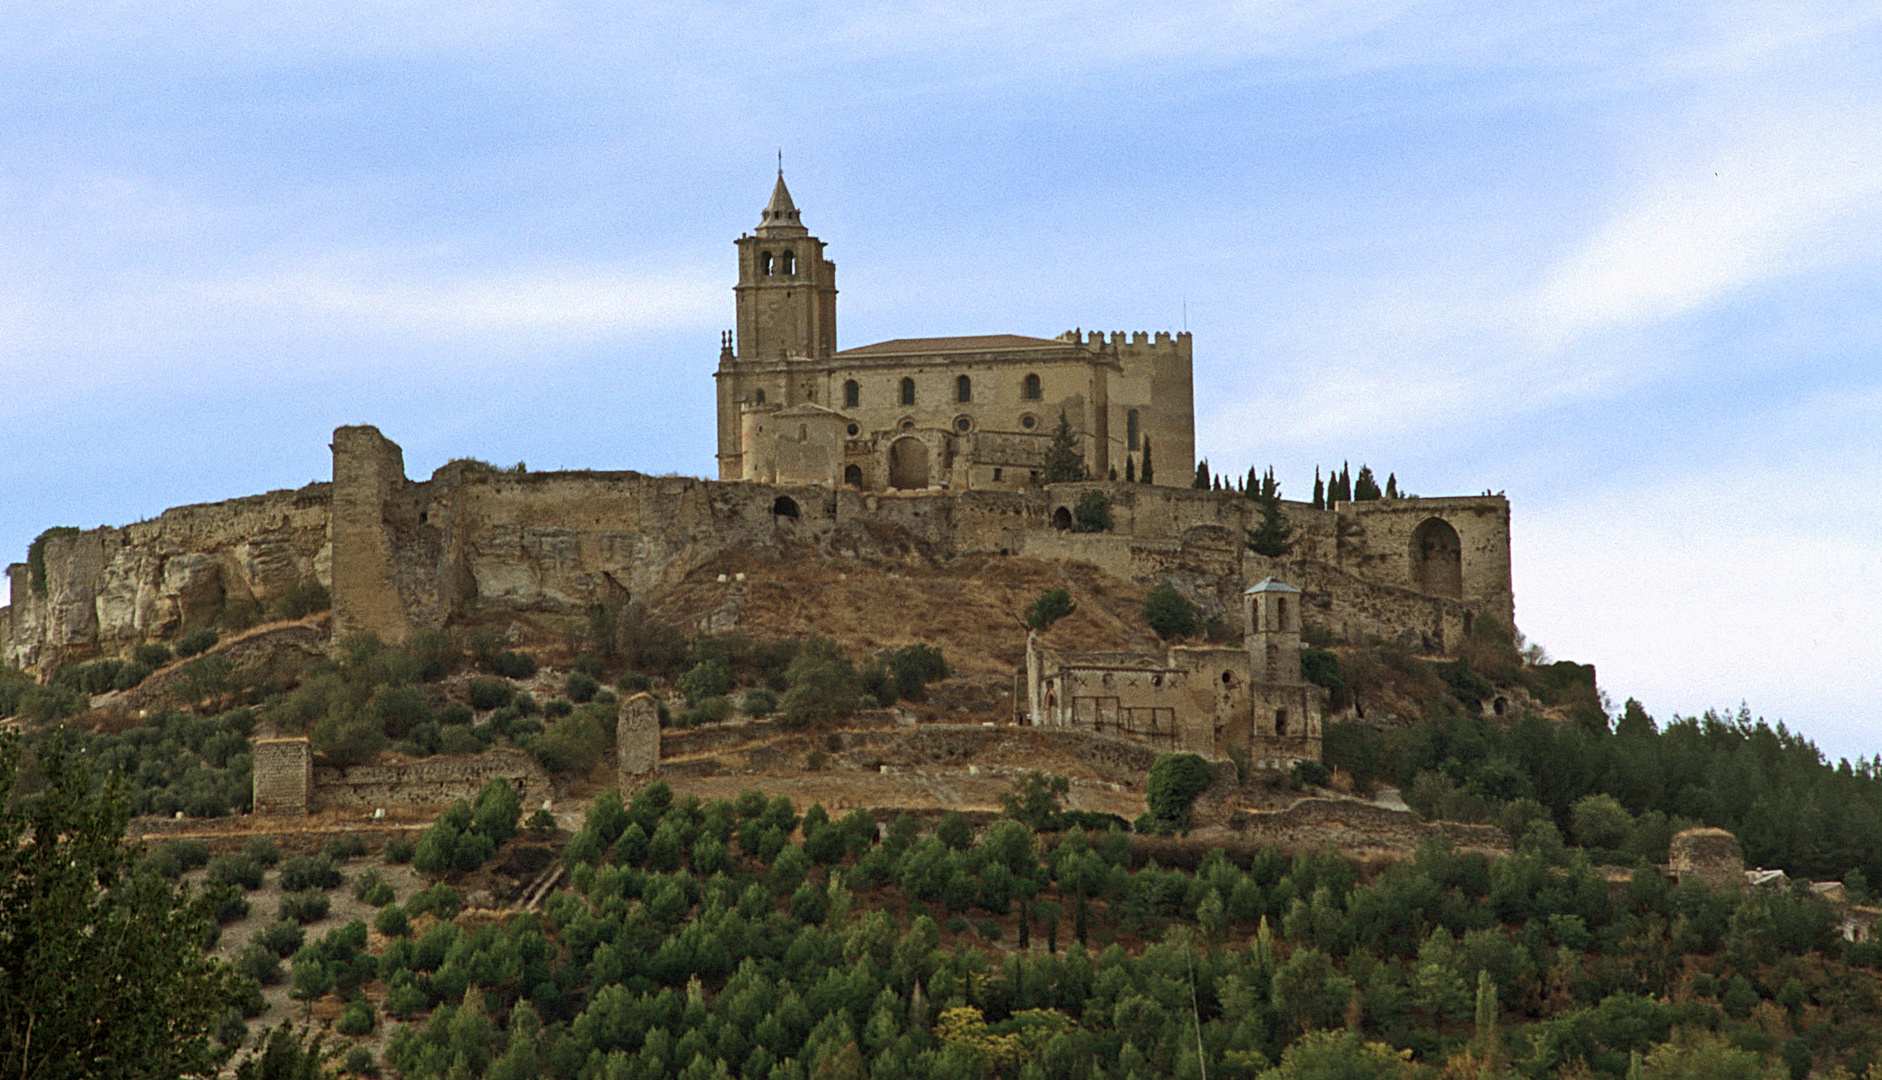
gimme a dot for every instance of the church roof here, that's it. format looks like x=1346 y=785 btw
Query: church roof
x=810 y=408
x=1271 y=584
x=780 y=216
x=980 y=343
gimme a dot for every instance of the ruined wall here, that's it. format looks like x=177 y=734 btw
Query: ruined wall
x=430 y=781
x=283 y=776
x=208 y=565
x=637 y=738
x=1353 y=826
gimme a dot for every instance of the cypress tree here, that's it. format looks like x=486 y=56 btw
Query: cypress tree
x=1391 y=485
x=1365 y=488
x=1251 y=488
x=1319 y=490
x=1130 y=471
x=1145 y=475
x=1346 y=481
x=1201 y=483
x=1063 y=462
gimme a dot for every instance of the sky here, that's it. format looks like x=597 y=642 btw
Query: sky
x=1617 y=260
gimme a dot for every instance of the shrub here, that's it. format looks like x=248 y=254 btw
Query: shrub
x=398 y=850
x=514 y=665
x=260 y=965
x=229 y=904
x=1092 y=513
x=304 y=872
x=345 y=846
x=196 y=641
x=153 y=654
x=373 y=889
x=359 y=1061
x=760 y=703
x=1169 y=612
x=633 y=682
x=580 y=687
x=573 y=744
x=439 y=900
x=487 y=693
x=262 y=850
x=302 y=599
x=558 y=708
x=305 y=907
x=823 y=685
x=541 y=824
x=235 y=870
x=1310 y=774
x=709 y=711
x=392 y=921
x=177 y=857
x=1049 y=607
x=282 y=938
x=357 y=1020
x=707 y=679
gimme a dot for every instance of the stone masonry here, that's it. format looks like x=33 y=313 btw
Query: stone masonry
x=637 y=739
x=283 y=776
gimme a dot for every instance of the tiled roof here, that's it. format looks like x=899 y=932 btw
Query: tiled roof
x=980 y=343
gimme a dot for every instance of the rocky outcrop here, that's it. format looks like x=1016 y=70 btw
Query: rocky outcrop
x=222 y=565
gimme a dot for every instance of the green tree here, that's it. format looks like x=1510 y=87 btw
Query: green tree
x=1175 y=781
x=1092 y=513
x=1049 y=607
x=1341 y=1055
x=1600 y=821
x=1201 y=482
x=823 y=685
x=1036 y=800
x=1365 y=488
x=1169 y=612
x=1063 y=461
x=1274 y=537
x=102 y=970
x=1147 y=474
x=1319 y=490
x=1391 y=485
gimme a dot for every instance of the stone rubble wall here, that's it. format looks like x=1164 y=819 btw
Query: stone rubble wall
x=430 y=781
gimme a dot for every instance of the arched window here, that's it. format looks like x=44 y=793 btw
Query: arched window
x=853 y=475
x=1130 y=428
x=759 y=397
x=789 y=261
x=1280 y=721
x=963 y=389
x=764 y=263
x=1030 y=389
x=908 y=391
x=852 y=394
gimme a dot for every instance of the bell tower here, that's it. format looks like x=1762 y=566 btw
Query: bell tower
x=786 y=288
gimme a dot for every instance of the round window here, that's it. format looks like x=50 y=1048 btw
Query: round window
x=854 y=430
x=908 y=425
x=963 y=424
x=1028 y=422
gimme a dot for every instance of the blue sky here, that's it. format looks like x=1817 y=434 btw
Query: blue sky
x=1617 y=260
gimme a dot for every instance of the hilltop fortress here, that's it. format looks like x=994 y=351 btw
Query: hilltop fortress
x=924 y=449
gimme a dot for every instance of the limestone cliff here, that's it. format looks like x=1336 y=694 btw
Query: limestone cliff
x=214 y=564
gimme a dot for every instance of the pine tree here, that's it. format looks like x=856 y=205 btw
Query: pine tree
x=1251 y=487
x=1391 y=485
x=1346 y=482
x=1201 y=483
x=1319 y=490
x=1274 y=537
x=1130 y=471
x=1146 y=475
x=1063 y=461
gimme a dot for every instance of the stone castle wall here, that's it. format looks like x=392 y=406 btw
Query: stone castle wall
x=474 y=541
x=283 y=776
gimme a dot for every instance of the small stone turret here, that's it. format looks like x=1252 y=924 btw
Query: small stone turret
x=1272 y=630
x=1708 y=855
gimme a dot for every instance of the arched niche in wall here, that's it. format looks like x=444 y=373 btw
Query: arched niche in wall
x=1437 y=559
x=908 y=464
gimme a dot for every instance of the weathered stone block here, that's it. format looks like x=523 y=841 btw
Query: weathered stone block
x=284 y=776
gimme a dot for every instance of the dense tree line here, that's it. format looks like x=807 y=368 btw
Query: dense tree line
x=704 y=939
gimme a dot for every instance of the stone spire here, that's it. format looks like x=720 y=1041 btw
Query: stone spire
x=780 y=214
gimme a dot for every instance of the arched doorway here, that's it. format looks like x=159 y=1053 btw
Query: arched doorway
x=1437 y=558
x=1062 y=518
x=908 y=464
x=853 y=475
